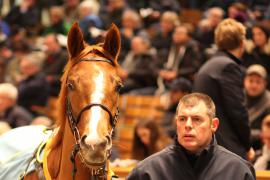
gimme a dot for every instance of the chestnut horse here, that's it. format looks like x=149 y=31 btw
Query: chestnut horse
x=88 y=101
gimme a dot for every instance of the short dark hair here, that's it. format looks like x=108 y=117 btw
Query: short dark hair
x=194 y=98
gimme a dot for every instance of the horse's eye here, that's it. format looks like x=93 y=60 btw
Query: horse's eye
x=118 y=87
x=70 y=86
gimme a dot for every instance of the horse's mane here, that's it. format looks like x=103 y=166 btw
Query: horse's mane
x=96 y=50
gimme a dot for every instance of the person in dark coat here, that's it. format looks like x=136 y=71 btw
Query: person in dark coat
x=195 y=154
x=222 y=79
x=10 y=112
x=54 y=63
x=139 y=67
x=26 y=15
x=33 y=88
x=183 y=59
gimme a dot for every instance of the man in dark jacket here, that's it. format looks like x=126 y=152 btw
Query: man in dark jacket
x=33 y=88
x=195 y=154
x=222 y=79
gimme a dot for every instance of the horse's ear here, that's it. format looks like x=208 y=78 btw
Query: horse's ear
x=112 y=42
x=75 y=40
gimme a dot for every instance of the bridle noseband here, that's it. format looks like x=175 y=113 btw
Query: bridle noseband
x=73 y=121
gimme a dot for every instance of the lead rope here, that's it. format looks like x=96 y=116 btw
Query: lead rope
x=73 y=159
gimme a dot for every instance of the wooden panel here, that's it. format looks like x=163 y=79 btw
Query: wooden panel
x=263 y=175
x=124 y=140
x=192 y=16
x=141 y=107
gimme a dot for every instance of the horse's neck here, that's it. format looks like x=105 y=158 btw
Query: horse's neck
x=66 y=166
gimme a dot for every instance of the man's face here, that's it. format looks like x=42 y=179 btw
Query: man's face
x=51 y=45
x=180 y=35
x=194 y=127
x=254 y=85
x=138 y=46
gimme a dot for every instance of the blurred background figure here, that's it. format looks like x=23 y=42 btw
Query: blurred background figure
x=206 y=27
x=89 y=21
x=177 y=89
x=148 y=139
x=10 y=112
x=131 y=26
x=71 y=11
x=33 y=88
x=257 y=100
x=257 y=50
x=183 y=59
x=112 y=11
x=14 y=53
x=162 y=37
x=54 y=63
x=25 y=15
x=263 y=160
x=58 y=25
x=139 y=67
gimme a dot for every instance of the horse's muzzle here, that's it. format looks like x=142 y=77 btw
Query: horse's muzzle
x=95 y=152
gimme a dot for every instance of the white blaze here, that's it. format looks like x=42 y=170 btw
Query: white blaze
x=95 y=113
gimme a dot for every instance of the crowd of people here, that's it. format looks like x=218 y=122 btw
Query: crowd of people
x=225 y=56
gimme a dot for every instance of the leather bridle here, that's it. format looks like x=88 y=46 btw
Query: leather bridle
x=73 y=121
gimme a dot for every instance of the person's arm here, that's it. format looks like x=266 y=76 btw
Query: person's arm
x=231 y=84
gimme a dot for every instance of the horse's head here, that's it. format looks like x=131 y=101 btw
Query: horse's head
x=91 y=87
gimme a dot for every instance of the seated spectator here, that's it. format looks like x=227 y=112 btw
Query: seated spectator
x=177 y=89
x=112 y=12
x=90 y=23
x=148 y=139
x=257 y=100
x=257 y=51
x=184 y=57
x=139 y=66
x=54 y=63
x=71 y=10
x=163 y=36
x=131 y=26
x=206 y=28
x=25 y=15
x=10 y=112
x=13 y=57
x=58 y=24
x=195 y=153
x=263 y=161
x=33 y=88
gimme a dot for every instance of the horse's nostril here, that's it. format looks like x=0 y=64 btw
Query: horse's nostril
x=108 y=139
x=83 y=139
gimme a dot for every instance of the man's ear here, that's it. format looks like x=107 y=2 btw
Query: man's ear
x=214 y=125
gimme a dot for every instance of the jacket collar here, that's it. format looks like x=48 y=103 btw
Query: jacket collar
x=202 y=159
x=230 y=55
